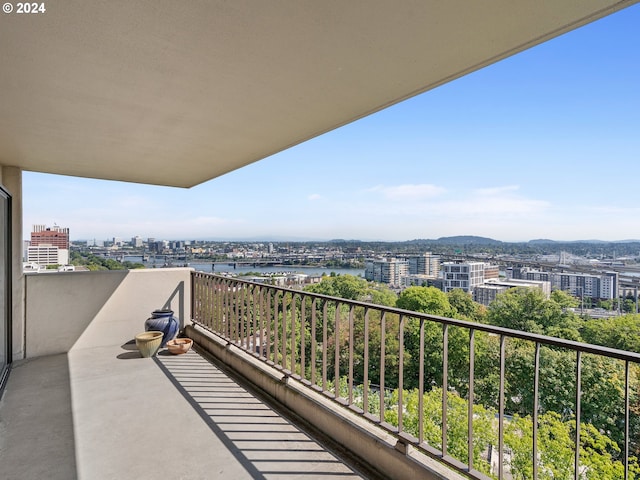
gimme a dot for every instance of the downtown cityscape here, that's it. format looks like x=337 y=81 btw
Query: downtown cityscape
x=599 y=274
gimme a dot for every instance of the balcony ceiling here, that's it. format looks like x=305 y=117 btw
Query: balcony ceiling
x=179 y=92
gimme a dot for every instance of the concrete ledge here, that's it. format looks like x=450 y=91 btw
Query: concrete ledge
x=370 y=444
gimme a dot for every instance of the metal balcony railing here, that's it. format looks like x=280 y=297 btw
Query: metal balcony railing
x=496 y=388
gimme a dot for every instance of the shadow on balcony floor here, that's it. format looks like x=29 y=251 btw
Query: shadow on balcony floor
x=104 y=413
x=266 y=444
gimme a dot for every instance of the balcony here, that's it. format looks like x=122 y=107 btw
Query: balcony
x=83 y=404
x=257 y=398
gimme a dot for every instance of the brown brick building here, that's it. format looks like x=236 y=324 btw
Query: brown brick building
x=56 y=236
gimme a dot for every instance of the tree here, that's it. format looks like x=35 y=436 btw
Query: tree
x=343 y=286
x=465 y=307
x=351 y=287
x=619 y=332
x=425 y=300
x=528 y=310
x=563 y=299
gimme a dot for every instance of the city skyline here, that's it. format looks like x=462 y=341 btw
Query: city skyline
x=541 y=145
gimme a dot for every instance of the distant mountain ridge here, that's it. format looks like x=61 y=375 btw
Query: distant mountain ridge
x=469 y=240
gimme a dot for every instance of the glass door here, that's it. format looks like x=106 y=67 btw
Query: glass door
x=5 y=286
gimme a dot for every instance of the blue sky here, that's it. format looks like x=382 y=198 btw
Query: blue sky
x=545 y=144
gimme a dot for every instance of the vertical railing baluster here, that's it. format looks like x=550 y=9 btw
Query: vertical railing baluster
x=275 y=332
x=383 y=336
x=268 y=318
x=242 y=299
x=194 y=294
x=576 y=468
x=536 y=400
x=255 y=319
x=283 y=353
x=314 y=341
x=293 y=309
x=365 y=386
x=233 y=312
x=626 y=420
x=218 y=311
x=303 y=337
x=445 y=384
x=351 y=355
x=261 y=311
x=470 y=400
x=209 y=290
x=400 y=373
x=226 y=332
x=421 y=383
x=501 y=411
x=336 y=355
x=324 y=345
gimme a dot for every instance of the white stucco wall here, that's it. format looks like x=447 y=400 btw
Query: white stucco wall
x=73 y=310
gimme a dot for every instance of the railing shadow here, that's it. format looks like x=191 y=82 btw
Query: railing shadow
x=260 y=439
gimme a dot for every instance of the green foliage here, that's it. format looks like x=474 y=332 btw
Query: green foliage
x=93 y=262
x=563 y=299
x=351 y=287
x=618 y=332
x=425 y=300
x=464 y=306
x=528 y=310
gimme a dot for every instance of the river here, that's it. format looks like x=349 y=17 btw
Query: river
x=159 y=261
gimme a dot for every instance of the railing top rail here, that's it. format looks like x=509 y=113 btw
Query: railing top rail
x=533 y=337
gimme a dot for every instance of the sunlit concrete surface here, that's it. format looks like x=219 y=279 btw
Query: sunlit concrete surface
x=107 y=413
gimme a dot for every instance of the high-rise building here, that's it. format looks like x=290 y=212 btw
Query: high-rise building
x=425 y=264
x=388 y=271
x=465 y=276
x=56 y=236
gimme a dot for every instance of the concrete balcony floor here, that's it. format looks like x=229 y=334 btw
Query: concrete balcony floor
x=106 y=413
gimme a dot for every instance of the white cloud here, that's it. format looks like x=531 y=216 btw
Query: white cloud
x=409 y=191
x=314 y=196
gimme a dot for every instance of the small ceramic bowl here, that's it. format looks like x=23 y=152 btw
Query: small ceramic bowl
x=178 y=346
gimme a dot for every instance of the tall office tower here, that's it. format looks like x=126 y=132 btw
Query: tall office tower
x=425 y=264
x=55 y=236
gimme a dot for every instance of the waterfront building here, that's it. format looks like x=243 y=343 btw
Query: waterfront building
x=390 y=271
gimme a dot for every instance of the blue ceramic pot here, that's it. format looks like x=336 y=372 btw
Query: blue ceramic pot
x=163 y=321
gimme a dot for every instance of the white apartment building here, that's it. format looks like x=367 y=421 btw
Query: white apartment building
x=487 y=292
x=604 y=286
x=390 y=271
x=465 y=276
x=47 y=255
